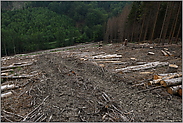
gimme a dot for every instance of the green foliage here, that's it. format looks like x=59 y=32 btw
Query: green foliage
x=44 y=25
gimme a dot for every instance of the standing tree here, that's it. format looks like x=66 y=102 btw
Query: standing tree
x=155 y=23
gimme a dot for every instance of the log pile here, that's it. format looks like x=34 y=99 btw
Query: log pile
x=142 y=67
x=171 y=81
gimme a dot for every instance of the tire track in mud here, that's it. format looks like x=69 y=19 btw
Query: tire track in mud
x=146 y=106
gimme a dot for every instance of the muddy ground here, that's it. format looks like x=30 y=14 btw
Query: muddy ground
x=75 y=89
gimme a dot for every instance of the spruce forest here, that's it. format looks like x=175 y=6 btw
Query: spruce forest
x=33 y=26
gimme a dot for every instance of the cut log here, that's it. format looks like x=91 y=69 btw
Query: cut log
x=180 y=92
x=17 y=77
x=154 y=82
x=113 y=59
x=142 y=67
x=133 y=59
x=109 y=61
x=165 y=49
x=8 y=70
x=13 y=66
x=167 y=76
x=168 y=53
x=146 y=72
x=172 y=68
x=150 y=53
x=107 y=56
x=164 y=53
x=6 y=94
x=174 y=89
x=171 y=82
x=140 y=63
x=4 y=74
x=7 y=87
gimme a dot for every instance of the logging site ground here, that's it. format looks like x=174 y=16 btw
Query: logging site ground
x=86 y=82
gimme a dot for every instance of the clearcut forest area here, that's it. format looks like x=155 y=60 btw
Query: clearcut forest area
x=129 y=71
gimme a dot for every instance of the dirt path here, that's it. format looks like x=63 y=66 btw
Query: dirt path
x=76 y=87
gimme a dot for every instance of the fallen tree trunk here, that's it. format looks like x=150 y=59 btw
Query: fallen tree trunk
x=142 y=67
x=180 y=91
x=164 y=53
x=6 y=94
x=168 y=53
x=174 y=89
x=154 y=82
x=113 y=59
x=6 y=87
x=150 y=53
x=17 y=77
x=168 y=75
x=4 y=74
x=13 y=66
x=107 y=56
x=109 y=61
x=8 y=70
x=171 y=82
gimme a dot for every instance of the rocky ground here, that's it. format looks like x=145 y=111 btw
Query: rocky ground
x=69 y=86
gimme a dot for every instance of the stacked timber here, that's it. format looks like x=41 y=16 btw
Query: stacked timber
x=172 y=81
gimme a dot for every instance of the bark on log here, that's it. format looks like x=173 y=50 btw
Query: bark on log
x=164 y=53
x=142 y=67
x=107 y=56
x=180 y=91
x=17 y=77
x=154 y=82
x=171 y=82
x=168 y=76
x=113 y=59
x=168 y=53
x=6 y=87
x=8 y=70
x=172 y=68
x=13 y=66
x=6 y=94
x=150 y=53
x=109 y=61
x=4 y=74
x=174 y=89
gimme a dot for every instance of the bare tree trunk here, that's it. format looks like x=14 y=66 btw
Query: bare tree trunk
x=143 y=23
x=155 y=23
x=5 y=49
x=133 y=27
x=169 y=16
x=163 y=25
x=178 y=32
x=147 y=24
x=176 y=22
x=14 y=47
